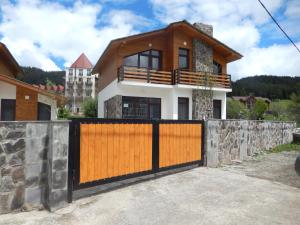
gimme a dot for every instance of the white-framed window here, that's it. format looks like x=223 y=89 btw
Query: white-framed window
x=80 y=72
x=70 y=72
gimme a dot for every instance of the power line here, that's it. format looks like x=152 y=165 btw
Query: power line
x=279 y=26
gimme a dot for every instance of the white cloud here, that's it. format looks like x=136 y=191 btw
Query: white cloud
x=237 y=24
x=34 y=30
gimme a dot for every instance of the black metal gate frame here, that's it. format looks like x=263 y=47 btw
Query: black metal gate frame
x=74 y=150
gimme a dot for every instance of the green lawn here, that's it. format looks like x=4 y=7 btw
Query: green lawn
x=286 y=147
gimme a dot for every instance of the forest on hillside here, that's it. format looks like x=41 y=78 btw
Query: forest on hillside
x=272 y=87
x=33 y=75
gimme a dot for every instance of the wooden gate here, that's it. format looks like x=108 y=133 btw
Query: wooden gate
x=106 y=150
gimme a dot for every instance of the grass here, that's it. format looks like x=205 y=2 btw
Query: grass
x=286 y=148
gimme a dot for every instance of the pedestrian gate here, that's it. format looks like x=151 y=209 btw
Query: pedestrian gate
x=107 y=150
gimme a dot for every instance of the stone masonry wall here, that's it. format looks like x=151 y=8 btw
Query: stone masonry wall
x=113 y=107
x=228 y=140
x=27 y=166
x=202 y=101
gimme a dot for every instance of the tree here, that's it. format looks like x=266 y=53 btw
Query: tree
x=236 y=110
x=63 y=113
x=90 y=107
x=294 y=108
x=258 y=110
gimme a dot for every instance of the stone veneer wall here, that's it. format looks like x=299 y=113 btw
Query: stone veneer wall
x=202 y=100
x=228 y=140
x=33 y=165
x=113 y=107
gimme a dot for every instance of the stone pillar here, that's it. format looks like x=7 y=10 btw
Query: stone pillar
x=202 y=104
x=58 y=166
x=113 y=107
x=202 y=107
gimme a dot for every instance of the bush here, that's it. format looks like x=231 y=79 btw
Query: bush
x=63 y=113
x=236 y=110
x=294 y=108
x=258 y=110
x=90 y=107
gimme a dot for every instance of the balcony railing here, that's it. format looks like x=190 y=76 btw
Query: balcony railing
x=175 y=77
x=206 y=79
x=145 y=75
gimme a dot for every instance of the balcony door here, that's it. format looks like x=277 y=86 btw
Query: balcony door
x=150 y=59
x=8 y=109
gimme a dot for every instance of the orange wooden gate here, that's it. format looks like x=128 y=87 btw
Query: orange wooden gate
x=104 y=150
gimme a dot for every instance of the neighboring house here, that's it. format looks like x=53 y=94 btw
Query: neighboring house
x=57 y=89
x=178 y=72
x=80 y=84
x=19 y=100
x=250 y=100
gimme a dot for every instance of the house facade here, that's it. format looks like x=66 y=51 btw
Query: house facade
x=79 y=83
x=178 y=72
x=19 y=100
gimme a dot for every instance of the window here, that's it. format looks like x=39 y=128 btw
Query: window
x=89 y=72
x=8 y=109
x=217 y=109
x=80 y=72
x=183 y=108
x=44 y=111
x=183 y=58
x=148 y=59
x=217 y=68
x=70 y=72
x=141 y=108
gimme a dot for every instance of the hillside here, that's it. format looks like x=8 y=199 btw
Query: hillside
x=34 y=75
x=272 y=87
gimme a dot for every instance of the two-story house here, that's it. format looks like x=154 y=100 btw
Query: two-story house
x=80 y=84
x=178 y=72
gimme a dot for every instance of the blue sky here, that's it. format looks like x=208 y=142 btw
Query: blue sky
x=52 y=34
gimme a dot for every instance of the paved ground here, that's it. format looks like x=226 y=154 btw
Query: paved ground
x=199 y=196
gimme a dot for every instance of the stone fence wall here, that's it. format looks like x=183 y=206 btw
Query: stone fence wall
x=228 y=140
x=33 y=165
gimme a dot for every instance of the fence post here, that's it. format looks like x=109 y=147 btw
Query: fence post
x=70 y=162
x=155 y=145
x=148 y=75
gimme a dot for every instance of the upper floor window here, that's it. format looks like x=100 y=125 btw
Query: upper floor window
x=89 y=72
x=183 y=58
x=70 y=72
x=80 y=72
x=217 y=68
x=148 y=59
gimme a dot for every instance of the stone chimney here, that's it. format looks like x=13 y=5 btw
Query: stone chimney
x=206 y=28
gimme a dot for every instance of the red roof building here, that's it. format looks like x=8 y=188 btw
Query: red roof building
x=82 y=62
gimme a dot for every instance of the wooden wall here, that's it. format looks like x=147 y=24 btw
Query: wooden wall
x=5 y=70
x=26 y=109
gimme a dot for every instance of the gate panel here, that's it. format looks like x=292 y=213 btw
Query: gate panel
x=111 y=150
x=179 y=143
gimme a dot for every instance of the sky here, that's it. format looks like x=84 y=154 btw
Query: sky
x=51 y=34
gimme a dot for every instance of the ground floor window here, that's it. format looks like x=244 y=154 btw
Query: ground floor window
x=217 y=109
x=8 y=109
x=183 y=108
x=44 y=111
x=141 y=108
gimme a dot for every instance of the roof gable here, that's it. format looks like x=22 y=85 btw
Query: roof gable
x=9 y=60
x=82 y=62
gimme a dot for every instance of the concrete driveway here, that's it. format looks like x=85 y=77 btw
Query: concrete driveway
x=198 y=196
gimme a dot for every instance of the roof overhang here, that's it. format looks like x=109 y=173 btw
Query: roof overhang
x=228 y=53
x=10 y=60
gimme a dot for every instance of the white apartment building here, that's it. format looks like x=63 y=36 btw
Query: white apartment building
x=79 y=83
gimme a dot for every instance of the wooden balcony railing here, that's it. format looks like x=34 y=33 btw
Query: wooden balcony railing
x=145 y=75
x=205 y=79
x=177 y=77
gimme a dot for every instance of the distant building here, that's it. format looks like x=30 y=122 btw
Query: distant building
x=249 y=101
x=80 y=84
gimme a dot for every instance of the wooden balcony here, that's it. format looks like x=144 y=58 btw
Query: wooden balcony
x=205 y=79
x=144 y=75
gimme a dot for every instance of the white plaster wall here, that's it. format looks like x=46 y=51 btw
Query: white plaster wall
x=168 y=94
x=49 y=101
x=7 y=91
x=221 y=95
